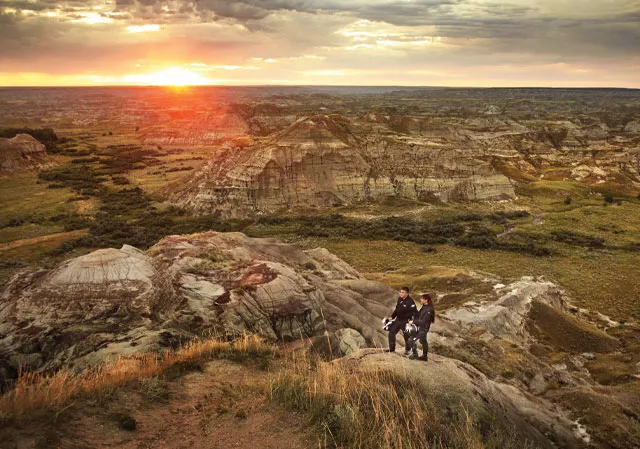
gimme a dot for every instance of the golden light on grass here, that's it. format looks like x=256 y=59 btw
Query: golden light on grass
x=35 y=391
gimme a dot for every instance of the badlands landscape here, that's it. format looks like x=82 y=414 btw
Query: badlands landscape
x=196 y=266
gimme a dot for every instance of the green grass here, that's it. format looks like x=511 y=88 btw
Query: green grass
x=22 y=196
x=27 y=231
x=605 y=281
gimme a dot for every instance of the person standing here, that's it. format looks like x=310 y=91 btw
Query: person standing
x=405 y=310
x=426 y=316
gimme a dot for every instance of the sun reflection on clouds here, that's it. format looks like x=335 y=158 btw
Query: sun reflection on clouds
x=370 y=35
x=142 y=28
x=92 y=18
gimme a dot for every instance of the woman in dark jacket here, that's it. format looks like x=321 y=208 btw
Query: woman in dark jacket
x=426 y=316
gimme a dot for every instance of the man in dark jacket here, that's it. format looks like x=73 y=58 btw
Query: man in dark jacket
x=426 y=316
x=404 y=311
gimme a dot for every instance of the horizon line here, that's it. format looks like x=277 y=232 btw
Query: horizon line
x=313 y=85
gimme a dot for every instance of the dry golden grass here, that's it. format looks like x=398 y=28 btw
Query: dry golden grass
x=35 y=391
x=377 y=409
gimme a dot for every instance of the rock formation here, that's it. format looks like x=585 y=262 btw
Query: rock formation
x=21 y=152
x=122 y=301
x=324 y=161
x=452 y=383
x=329 y=160
x=112 y=302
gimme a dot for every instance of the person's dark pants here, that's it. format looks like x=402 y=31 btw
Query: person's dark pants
x=396 y=327
x=422 y=338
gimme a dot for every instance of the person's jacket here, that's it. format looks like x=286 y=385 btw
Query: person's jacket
x=425 y=317
x=405 y=309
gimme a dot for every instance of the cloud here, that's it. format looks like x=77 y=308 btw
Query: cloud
x=421 y=36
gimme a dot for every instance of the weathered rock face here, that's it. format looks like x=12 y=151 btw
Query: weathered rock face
x=526 y=311
x=453 y=384
x=328 y=160
x=21 y=152
x=196 y=128
x=122 y=301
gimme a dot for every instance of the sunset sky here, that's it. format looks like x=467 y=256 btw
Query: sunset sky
x=554 y=43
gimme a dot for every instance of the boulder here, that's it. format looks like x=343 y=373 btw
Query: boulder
x=349 y=340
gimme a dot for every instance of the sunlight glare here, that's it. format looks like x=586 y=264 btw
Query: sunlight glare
x=173 y=76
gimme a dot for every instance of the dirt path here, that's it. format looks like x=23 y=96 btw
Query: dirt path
x=44 y=238
x=224 y=406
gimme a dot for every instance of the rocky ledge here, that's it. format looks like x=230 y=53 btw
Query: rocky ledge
x=120 y=301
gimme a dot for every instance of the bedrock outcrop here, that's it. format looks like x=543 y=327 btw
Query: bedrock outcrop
x=328 y=160
x=325 y=160
x=22 y=152
x=455 y=386
x=120 y=301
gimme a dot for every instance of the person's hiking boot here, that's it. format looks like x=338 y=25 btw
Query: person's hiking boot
x=389 y=350
x=423 y=357
x=413 y=357
x=406 y=353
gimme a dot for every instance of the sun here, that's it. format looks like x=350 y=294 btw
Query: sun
x=176 y=76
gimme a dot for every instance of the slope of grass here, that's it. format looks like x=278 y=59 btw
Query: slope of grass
x=379 y=409
x=605 y=281
x=34 y=391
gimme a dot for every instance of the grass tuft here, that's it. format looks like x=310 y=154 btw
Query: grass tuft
x=35 y=391
x=379 y=409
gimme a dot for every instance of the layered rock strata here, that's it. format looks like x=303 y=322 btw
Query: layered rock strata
x=120 y=301
x=325 y=161
x=330 y=160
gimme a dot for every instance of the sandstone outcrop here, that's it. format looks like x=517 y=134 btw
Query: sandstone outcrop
x=324 y=161
x=454 y=384
x=532 y=309
x=330 y=160
x=119 y=301
x=21 y=152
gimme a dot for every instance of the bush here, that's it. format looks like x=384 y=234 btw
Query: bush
x=608 y=199
x=503 y=217
x=577 y=238
x=567 y=200
x=82 y=179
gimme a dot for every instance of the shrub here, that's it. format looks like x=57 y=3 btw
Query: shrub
x=567 y=200
x=577 y=238
x=81 y=179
